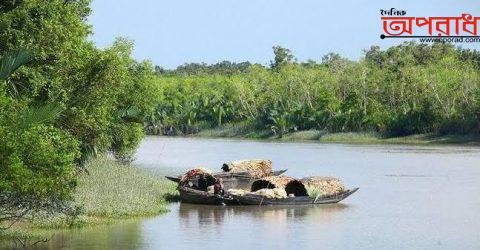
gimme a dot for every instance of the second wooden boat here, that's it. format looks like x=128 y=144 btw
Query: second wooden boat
x=253 y=199
x=226 y=175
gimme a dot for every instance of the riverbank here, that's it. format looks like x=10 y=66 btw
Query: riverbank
x=108 y=192
x=346 y=138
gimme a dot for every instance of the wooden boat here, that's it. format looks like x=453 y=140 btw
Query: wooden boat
x=190 y=195
x=226 y=175
x=253 y=199
x=194 y=184
x=172 y=178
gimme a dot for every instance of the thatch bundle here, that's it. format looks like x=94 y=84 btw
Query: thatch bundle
x=290 y=185
x=194 y=175
x=320 y=186
x=275 y=193
x=239 y=192
x=256 y=168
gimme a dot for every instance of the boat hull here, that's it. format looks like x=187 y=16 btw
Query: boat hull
x=251 y=199
x=189 y=195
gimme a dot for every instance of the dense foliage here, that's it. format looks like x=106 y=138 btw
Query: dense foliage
x=406 y=89
x=223 y=67
x=62 y=100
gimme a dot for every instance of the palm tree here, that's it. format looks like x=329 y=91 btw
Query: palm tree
x=12 y=207
x=12 y=61
x=38 y=114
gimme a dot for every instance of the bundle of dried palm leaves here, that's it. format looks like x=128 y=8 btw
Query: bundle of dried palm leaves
x=321 y=186
x=255 y=168
x=275 y=193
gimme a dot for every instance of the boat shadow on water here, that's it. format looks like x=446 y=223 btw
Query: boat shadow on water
x=206 y=214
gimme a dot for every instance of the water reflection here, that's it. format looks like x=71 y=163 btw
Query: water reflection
x=124 y=235
x=189 y=226
x=201 y=214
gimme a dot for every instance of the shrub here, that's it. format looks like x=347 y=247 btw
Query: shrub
x=38 y=170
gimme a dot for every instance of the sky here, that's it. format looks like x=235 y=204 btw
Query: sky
x=171 y=33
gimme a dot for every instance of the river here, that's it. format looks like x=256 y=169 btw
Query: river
x=423 y=197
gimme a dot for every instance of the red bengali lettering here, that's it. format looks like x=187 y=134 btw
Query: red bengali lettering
x=438 y=26
x=396 y=26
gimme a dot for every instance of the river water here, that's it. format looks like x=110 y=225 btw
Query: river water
x=409 y=197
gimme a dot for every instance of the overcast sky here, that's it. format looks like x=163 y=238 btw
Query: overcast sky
x=170 y=33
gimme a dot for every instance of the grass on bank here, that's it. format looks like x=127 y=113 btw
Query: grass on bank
x=239 y=131
x=114 y=190
x=109 y=192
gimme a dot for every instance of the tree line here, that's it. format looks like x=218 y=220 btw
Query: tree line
x=406 y=89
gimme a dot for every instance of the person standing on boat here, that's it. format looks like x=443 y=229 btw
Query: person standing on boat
x=218 y=187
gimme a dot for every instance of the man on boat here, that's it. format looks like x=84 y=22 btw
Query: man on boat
x=218 y=187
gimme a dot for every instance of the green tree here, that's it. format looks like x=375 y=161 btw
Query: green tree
x=282 y=55
x=37 y=160
x=71 y=101
x=93 y=86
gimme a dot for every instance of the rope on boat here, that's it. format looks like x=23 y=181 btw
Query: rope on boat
x=261 y=201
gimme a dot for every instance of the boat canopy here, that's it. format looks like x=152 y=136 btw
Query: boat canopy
x=197 y=178
x=289 y=184
x=309 y=186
